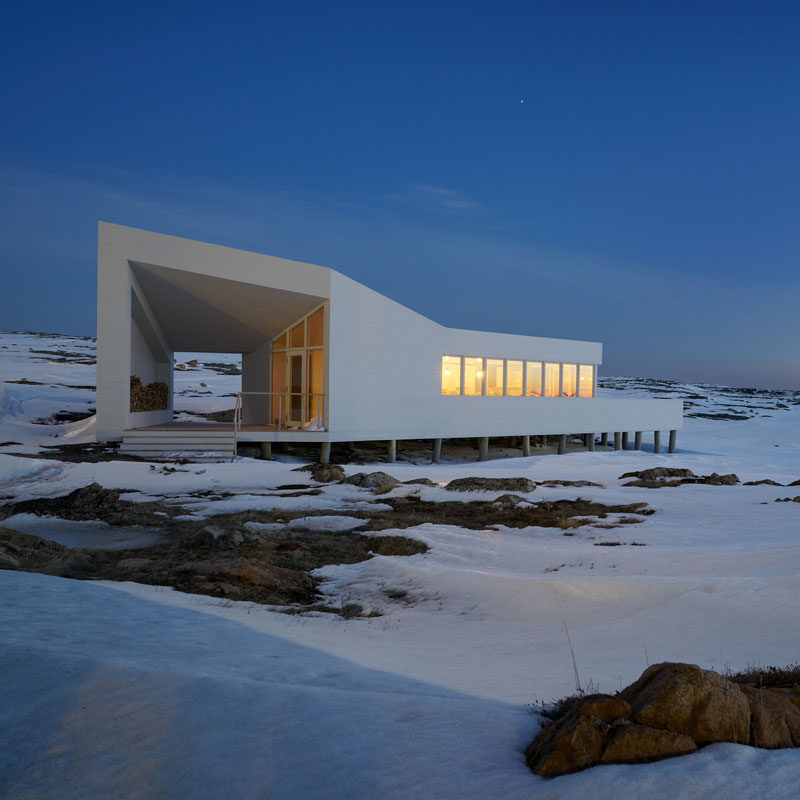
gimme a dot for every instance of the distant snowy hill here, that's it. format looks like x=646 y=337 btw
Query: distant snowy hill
x=47 y=390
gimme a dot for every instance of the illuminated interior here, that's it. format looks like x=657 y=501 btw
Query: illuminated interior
x=534 y=388
x=298 y=371
x=485 y=376
x=569 y=380
x=315 y=382
x=473 y=376
x=551 y=380
x=586 y=382
x=494 y=377
x=316 y=328
x=451 y=374
x=514 y=378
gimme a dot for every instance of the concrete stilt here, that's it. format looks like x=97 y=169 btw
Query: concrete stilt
x=526 y=446
x=673 y=440
x=266 y=450
x=591 y=441
x=325 y=453
x=637 y=440
x=624 y=440
x=483 y=448
x=617 y=440
x=436 y=457
x=392 y=448
x=656 y=441
x=562 y=444
x=603 y=440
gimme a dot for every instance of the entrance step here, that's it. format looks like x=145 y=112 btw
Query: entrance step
x=185 y=444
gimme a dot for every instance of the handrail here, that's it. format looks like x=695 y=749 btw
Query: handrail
x=305 y=397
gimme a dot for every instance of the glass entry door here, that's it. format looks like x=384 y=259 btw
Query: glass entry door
x=296 y=387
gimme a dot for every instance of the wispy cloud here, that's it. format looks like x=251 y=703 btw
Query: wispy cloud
x=429 y=196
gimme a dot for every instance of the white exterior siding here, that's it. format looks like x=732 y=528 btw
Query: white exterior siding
x=386 y=363
x=383 y=361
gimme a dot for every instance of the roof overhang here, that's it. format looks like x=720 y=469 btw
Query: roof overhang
x=213 y=314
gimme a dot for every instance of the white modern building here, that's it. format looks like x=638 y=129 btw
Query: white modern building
x=325 y=359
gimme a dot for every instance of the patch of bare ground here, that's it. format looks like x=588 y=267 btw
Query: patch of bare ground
x=480 y=514
x=89 y=452
x=221 y=561
x=226 y=415
x=223 y=556
x=61 y=356
x=64 y=416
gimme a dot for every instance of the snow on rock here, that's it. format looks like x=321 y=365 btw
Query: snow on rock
x=327 y=522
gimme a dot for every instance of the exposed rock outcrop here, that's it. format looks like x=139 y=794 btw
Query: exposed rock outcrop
x=326 y=473
x=658 y=477
x=491 y=485
x=377 y=481
x=672 y=709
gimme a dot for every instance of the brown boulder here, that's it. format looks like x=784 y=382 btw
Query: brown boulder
x=631 y=743
x=774 y=716
x=670 y=710
x=686 y=699
x=379 y=482
x=576 y=740
x=326 y=473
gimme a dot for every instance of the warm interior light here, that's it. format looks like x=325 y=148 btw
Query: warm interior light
x=447 y=372
x=478 y=374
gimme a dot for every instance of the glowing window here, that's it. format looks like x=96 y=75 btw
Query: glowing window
x=551 y=380
x=279 y=344
x=534 y=369
x=494 y=377
x=315 y=381
x=570 y=380
x=451 y=374
x=297 y=335
x=316 y=328
x=514 y=378
x=473 y=376
x=586 y=382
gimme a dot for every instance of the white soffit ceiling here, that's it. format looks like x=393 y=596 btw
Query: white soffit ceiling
x=217 y=315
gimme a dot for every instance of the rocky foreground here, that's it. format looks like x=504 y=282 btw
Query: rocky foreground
x=267 y=556
x=673 y=709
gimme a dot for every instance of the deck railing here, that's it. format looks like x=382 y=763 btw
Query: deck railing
x=283 y=411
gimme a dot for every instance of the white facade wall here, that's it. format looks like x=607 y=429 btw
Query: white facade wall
x=143 y=362
x=383 y=364
x=385 y=379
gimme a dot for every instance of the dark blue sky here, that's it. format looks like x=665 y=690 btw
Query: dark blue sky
x=621 y=172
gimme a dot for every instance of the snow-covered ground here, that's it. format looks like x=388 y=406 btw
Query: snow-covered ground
x=126 y=690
